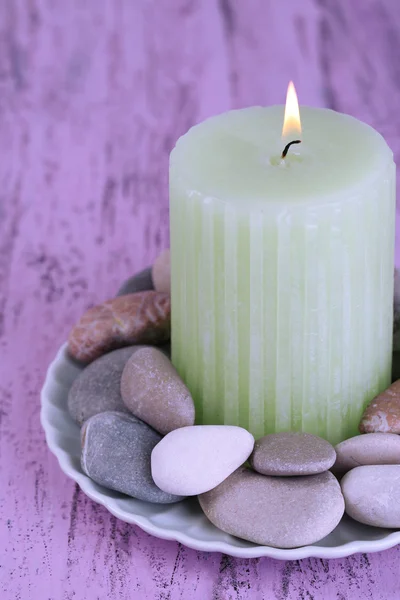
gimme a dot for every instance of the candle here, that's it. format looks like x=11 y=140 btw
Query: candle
x=282 y=269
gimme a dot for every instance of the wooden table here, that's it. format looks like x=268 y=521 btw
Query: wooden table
x=93 y=95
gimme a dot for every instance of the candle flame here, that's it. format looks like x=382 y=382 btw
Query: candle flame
x=291 y=121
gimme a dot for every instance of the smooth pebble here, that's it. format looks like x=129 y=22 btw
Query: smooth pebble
x=116 y=451
x=383 y=413
x=161 y=272
x=153 y=391
x=367 y=449
x=142 y=318
x=292 y=453
x=284 y=512
x=372 y=495
x=98 y=387
x=193 y=460
x=140 y=282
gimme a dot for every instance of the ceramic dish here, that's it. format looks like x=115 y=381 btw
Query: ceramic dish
x=183 y=522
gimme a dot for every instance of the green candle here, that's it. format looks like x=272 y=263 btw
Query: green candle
x=282 y=270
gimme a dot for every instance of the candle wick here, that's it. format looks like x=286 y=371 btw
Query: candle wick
x=285 y=151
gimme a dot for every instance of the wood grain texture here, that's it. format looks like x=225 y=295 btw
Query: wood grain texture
x=93 y=95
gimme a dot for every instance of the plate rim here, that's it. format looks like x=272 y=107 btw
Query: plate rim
x=256 y=551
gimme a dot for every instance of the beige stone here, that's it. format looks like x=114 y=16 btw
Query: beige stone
x=161 y=272
x=367 y=449
x=153 y=391
x=284 y=512
x=372 y=495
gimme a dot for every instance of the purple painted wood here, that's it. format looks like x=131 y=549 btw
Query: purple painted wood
x=93 y=96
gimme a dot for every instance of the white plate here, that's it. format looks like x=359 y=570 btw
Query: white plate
x=183 y=522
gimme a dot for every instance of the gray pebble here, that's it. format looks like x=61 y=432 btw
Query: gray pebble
x=153 y=391
x=292 y=453
x=367 y=449
x=284 y=512
x=141 y=282
x=372 y=495
x=116 y=451
x=98 y=387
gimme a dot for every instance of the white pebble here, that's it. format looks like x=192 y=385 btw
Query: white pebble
x=196 y=459
x=372 y=495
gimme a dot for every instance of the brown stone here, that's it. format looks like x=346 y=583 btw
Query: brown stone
x=383 y=413
x=141 y=318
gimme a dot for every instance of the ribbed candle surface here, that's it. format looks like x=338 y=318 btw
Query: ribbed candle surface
x=282 y=271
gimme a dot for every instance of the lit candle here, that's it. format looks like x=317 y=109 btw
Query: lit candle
x=282 y=268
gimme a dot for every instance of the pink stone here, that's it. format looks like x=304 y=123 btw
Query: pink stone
x=141 y=318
